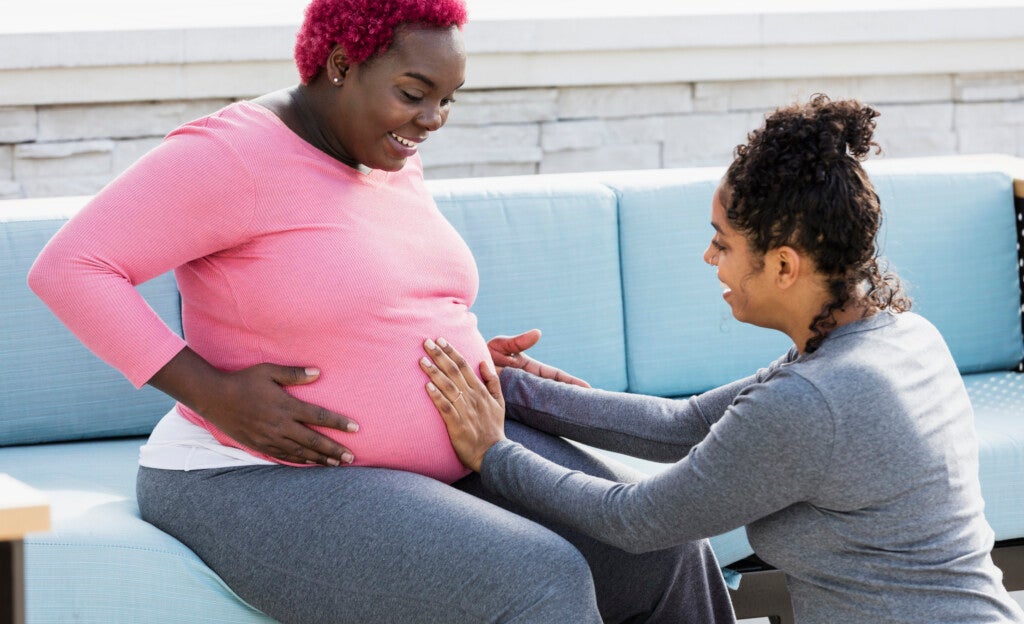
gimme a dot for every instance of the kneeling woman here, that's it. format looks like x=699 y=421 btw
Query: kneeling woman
x=852 y=459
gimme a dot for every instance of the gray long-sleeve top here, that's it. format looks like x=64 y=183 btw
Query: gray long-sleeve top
x=854 y=468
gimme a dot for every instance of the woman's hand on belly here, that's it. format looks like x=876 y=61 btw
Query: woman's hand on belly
x=473 y=410
x=509 y=351
x=252 y=408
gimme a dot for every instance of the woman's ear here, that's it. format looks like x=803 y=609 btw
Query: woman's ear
x=337 y=66
x=788 y=264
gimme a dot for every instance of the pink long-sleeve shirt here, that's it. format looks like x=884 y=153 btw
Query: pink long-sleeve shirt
x=283 y=255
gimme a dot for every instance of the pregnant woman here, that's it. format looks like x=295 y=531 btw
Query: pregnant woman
x=303 y=462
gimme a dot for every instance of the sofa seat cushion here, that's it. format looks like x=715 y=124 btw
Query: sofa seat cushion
x=998 y=400
x=101 y=562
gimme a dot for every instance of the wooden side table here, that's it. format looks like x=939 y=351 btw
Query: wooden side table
x=22 y=510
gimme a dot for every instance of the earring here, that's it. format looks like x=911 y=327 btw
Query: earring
x=337 y=80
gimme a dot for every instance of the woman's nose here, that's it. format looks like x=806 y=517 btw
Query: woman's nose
x=432 y=118
x=710 y=256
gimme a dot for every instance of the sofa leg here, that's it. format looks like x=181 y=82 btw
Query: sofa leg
x=12 y=582
x=1009 y=557
x=763 y=593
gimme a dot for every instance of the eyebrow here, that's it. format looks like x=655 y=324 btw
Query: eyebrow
x=421 y=78
x=717 y=228
x=428 y=81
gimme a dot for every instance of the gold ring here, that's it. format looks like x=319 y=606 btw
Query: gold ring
x=457 y=398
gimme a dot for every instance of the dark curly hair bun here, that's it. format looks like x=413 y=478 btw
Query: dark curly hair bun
x=798 y=181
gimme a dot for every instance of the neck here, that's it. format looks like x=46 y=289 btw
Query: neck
x=305 y=106
x=854 y=310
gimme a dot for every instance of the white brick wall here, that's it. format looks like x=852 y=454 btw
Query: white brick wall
x=605 y=158
x=989 y=87
x=76 y=149
x=6 y=162
x=624 y=101
x=17 y=124
x=491 y=144
x=69 y=158
x=706 y=139
x=766 y=95
x=482 y=108
x=119 y=121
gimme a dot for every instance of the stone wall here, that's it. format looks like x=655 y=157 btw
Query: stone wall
x=51 y=150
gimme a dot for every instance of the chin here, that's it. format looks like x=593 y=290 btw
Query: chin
x=390 y=165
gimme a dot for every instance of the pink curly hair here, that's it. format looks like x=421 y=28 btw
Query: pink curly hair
x=365 y=28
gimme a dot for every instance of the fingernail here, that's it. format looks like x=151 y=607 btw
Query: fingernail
x=312 y=372
x=431 y=387
x=426 y=362
x=347 y=458
x=431 y=345
x=333 y=462
x=352 y=427
x=443 y=343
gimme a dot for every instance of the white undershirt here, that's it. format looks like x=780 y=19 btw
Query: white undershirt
x=177 y=444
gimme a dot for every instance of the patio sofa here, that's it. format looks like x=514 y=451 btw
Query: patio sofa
x=607 y=264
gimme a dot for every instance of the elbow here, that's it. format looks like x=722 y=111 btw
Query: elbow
x=44 y=277
x=38 y=277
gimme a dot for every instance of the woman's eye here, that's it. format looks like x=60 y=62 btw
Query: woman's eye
x=717 y=245
x=447 y=101
x=410 y=96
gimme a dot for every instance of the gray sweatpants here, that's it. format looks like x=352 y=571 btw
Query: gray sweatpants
x=367 y=545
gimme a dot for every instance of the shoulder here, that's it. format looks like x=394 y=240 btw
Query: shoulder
x=234 y=126
x=787 y=385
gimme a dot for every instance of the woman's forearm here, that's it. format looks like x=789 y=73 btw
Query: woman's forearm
x=190 y=380
x=652 y=428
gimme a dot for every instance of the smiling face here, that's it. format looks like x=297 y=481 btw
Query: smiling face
x=384 y=108
x=746 y=284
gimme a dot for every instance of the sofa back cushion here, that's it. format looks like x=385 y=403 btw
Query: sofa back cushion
x=949 y=234
x=680 y=336
x=51 y=387
x=547 y=250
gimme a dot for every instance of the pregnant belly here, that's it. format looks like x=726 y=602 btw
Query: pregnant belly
x=399 y=427
x=377 y=382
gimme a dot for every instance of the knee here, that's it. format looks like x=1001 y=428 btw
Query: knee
x=561 y=564
x=553 y=583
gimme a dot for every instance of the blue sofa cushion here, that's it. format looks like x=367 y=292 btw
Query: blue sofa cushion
x=102 y=563
x=952 y=240
x=950 y=237
x=51 y=387
x=680 y=336
x=547 y=251
x=998 y=400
